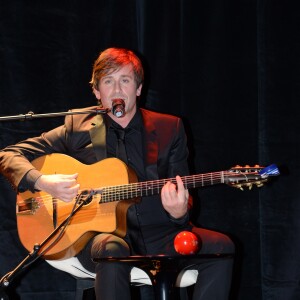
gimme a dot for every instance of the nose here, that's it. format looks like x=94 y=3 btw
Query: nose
x=117 y=87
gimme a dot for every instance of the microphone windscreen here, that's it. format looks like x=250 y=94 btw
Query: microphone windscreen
x=118 y=108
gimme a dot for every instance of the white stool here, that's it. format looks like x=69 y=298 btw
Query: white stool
x=137 y=276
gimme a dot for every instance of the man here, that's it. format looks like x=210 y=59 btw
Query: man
x=155 y=148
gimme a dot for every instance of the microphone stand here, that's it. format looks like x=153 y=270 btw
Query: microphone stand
x=7 y=279
x=32 y=115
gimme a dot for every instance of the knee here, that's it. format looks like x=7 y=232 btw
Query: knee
x=227 y=245
x=214 y=242
x=220 y=243
x=109 y=245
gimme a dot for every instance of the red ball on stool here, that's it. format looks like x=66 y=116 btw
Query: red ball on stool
x=186 y=243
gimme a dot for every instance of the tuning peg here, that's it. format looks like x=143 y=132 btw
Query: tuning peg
x=239 y=186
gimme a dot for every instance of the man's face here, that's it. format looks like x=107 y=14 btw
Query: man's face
x=119 y=85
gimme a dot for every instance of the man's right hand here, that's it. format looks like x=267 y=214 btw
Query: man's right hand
x=60 y=186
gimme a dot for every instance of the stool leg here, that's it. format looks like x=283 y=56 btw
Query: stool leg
x=164 y=283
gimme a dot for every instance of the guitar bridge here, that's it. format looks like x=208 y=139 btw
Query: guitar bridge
x=27 y=207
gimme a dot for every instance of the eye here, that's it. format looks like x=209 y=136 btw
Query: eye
x=107 y=81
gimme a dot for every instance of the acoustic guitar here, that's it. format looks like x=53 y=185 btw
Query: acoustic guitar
x=108 y=188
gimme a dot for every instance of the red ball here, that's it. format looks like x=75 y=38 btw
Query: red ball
x=186 y=243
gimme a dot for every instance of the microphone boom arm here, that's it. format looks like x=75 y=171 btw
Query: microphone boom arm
x=31 y=115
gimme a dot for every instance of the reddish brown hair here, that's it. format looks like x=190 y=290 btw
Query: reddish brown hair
x=111 y=60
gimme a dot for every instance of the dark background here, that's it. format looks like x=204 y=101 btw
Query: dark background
x=229 y=68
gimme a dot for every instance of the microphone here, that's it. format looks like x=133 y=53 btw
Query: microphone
x=118 y=108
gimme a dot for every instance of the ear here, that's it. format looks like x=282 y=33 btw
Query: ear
x=139 y=90
x=97 y=93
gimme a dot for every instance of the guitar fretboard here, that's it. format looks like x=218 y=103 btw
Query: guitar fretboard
x=150 y=188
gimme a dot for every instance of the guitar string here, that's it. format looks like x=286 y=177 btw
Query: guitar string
x=152 y=187
x=153 y=183
x=142 y=188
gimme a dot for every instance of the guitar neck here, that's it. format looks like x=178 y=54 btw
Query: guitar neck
x=150 y=188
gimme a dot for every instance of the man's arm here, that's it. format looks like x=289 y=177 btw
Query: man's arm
x=175 y=198
x=15 y=160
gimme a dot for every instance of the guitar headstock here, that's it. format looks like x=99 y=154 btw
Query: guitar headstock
x=247 y=176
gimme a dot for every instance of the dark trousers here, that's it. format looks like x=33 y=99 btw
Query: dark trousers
x=113 y=279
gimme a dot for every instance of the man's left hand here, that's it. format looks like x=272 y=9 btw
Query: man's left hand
x=175 y=200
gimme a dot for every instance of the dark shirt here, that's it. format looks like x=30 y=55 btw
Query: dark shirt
x=134 y=149
x=133 y=142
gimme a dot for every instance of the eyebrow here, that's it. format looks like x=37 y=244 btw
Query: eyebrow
x=122 y=76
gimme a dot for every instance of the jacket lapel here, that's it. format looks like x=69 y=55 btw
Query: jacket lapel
x=151 y=147
x=98 y=137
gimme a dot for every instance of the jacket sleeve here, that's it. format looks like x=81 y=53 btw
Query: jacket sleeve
x=178 y=164
x=178 y=153
x=15 y=159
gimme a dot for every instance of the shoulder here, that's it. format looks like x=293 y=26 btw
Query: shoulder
x=164 y=125
x=82 y=119
x=85 y=113
x=159 y=117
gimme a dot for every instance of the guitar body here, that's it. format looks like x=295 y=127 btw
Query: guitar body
x=38 y=214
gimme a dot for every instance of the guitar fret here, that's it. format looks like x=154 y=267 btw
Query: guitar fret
x=149 y=188
x=117 y=193
x=158 y=185
x=131 y=193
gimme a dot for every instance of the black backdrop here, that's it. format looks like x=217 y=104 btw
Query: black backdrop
x=230 y=69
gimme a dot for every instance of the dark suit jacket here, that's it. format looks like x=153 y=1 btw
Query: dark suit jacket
x=83 y=137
